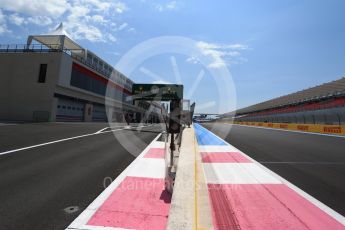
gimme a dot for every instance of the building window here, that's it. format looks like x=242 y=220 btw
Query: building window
x=42 y=74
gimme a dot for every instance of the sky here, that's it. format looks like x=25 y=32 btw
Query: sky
x=270 y=48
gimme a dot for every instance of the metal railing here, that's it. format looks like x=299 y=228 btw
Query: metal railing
x=92 y=66
x=49 y=48
x=39 y=48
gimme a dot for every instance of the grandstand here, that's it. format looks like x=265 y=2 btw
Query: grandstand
x=323 y=104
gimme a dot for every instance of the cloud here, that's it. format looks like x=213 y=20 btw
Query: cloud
x=97 y=4
x=83 y=23
x=122 y=26
x=171 y=5
x=98 y=19
x=40 y=20
x=193 y=60
x=120 y=7
x=111 y=38
x=3 y=26
x=237 y=47
x=36 y=7
x=37 y=20
x=83 y=19
x=104 y=6
x=77 y=24
x=16 y=19
x=220 y=54
x=83 y=31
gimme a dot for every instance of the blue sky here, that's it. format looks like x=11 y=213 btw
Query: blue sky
x=270 y=47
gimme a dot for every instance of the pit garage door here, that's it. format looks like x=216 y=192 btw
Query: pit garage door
x=98 y=113
x=69 y=110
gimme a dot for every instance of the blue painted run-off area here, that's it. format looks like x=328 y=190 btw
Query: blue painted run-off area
x=206 y=137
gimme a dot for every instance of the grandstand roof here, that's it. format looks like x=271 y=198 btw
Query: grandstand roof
x=330 y=89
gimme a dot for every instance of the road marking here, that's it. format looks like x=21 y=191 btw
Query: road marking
x=149 y=168
x=216 y=148
x=90 y=227
x=81 y=221
x=223 y=157
x=205 y=138
x=138 y=203
x=266 y=206
x=301 y=162
x=237 y=173
x=4 y=124
x=158 y=153
x=99 y=131
x=293 y=131
x=299 y=191
x=57 y=141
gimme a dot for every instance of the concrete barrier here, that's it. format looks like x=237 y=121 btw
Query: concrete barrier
x=182 y=210
x=190 y=207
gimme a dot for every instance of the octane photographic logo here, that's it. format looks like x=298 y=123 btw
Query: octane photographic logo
x=134 y=60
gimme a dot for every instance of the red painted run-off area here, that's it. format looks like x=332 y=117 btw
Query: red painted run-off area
x=265 y=207
x=138 y=203
x=155 y=153
x=223 y=157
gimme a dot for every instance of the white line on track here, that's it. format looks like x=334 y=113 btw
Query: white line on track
x=4 y=124
x=302 y=162
x=310 y=198
x=99 y=131
x=89 y=227
x=293 y=131
x=57 y=141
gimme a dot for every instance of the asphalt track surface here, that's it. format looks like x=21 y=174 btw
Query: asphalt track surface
x=37 y=184
x=314 y=163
